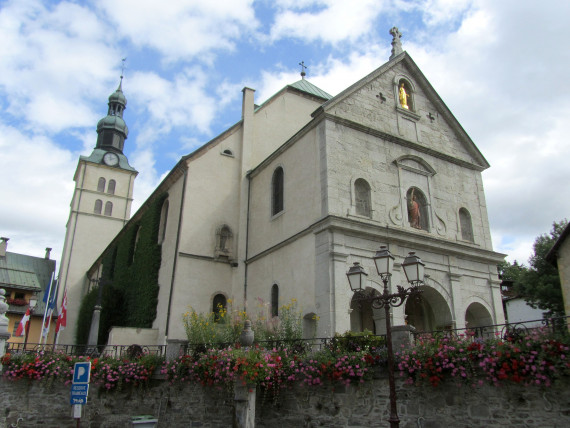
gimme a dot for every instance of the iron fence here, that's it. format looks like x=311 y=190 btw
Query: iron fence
x=300 y=346
x=545 y=326
x=115 y=351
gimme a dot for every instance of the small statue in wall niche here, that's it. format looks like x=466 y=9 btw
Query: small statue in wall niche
x=403 y=97
x=414 y=211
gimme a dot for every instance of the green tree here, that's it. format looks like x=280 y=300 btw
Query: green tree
x=539 y=283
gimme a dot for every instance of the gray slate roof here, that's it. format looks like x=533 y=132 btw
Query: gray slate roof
x=27 y=273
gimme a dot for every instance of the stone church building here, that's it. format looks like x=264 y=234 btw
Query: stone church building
x=281 y=204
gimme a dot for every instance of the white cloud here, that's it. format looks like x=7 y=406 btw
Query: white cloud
x=331 y=21
x=182 y=29
x=332 y=75
x=147 y=180
x=52 y=59
x=36 y=190
x=438 y=12
x=497 y=73
x=183 y=102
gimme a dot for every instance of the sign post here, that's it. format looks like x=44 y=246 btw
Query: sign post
x=80 y=388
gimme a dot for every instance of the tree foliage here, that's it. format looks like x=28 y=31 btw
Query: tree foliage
x=129 y=279
x=539 y=283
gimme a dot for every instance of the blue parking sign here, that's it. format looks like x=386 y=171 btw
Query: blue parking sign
x=81 y=372
x=79 y=393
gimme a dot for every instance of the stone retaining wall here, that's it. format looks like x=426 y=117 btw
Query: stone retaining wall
x=446 y=406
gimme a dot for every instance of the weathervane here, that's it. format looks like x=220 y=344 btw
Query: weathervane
x=303 y=68
x=123 y=67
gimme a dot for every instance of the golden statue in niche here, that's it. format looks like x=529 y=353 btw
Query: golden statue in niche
x=403 y=97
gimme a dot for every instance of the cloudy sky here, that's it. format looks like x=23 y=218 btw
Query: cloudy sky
x=500 y=66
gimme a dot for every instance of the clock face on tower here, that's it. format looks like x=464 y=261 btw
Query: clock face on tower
x=111 y=159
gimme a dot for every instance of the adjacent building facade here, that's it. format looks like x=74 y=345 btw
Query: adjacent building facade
x=25 y=277
x=281 y=204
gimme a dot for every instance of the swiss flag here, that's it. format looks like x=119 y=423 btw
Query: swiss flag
x=22 y=327
x=62 y=316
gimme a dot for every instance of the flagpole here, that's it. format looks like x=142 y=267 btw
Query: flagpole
x=61 y=317
x=47 y=302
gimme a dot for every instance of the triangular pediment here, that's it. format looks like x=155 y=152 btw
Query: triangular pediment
x=374 y=105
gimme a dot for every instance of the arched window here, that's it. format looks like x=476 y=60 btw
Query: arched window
x=163 y=221
x=101 y=184
x=98 y=206
x=111 y=187
x=277 y=191
x=362 y=197
x=466 y=225
x=228 y=152
x=275 y=300
x=417 y=209
x=109 y=208
x=219 y=305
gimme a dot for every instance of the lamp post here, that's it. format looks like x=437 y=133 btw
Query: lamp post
x=414 y=270
x=32 y=304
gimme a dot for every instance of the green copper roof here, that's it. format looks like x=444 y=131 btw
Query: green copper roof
x=97 y=157
x=309 y=88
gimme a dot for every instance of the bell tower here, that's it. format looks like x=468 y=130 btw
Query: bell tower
x=100 y=206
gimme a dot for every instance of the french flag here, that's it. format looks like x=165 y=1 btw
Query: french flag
x=22 y=326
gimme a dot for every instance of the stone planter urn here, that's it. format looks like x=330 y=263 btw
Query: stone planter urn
x=247 y=336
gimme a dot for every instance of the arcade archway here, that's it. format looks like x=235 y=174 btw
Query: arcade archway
x=477 y=315
x=429 y=311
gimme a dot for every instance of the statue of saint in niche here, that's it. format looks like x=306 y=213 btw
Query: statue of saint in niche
x=403 y=97
x=414 y=211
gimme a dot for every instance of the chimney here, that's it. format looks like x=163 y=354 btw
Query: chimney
x=3 y=246
x=247 y=105
x=48 y=250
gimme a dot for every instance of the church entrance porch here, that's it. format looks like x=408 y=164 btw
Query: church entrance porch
x=429 y=311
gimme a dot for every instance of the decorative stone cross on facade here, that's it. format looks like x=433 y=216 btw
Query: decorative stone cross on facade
x=396 y=43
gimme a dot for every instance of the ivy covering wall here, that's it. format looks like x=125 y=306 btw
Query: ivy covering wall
x=129 y=278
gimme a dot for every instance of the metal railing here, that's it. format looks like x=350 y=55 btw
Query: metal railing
x=115 y=351
x=545 y=326
x=542 y=327
x=299 y=346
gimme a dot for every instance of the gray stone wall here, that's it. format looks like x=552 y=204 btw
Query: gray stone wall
x=446 y=406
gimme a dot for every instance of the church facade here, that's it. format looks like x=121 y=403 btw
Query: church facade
x=280 y=205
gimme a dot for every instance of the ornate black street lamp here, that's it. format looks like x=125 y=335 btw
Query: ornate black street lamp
x=414 y=270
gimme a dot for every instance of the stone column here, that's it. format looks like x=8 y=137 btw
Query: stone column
x=402 y=337
x=244 y=399
x=4 y=335
x=458 y=310
x=244 y=394
x=175 y=348
x=94 y=329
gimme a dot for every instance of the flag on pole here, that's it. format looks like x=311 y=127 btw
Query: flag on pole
x=49 y=301
x=48 y=315
x=22 y=326
x=62 y=316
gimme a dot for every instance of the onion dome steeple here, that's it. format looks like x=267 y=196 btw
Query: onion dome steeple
x=112 y=130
